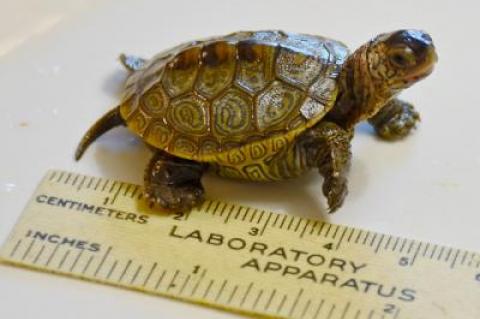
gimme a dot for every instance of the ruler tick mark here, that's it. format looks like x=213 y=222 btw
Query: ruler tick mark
x=441 y=253
x=76 y=260
x=253 y=215
x=462 y=262
x=335 y=232
x=275 y=221
x=419 y=246
x=266 y=223
x=202 y=275
x=102 y=261
x=259 y=296
x=410 y=247
x=52 y=255
x=129 y=262
x=139 y=269
x=291 y=222
x=60 y=177
x=270 y=299
x=82 y=182
x=341 y=237
x=328 y=230
x=320 y=229
x=159 y=281
x=366 y=238
x=187 y=279
x=283 y=221
x=65 y=256
x=247 y=292
x=27 y=251
x=40 y=252
x=261 y=216
x=345 y=310
x=427 y=246
x=433 y=251
x=377 y=248
x=112 y=269
x=67 y=179
x=448 y=254
x=149 y=274
x=205 y=294
x=221 y=290
x=304 y=228
x=388 y=242
x=404 y=242
x=312 y=229
x=229 y=214
x=357 y=239
x=172 y=282
x=295 y=302
x=87 y=265
x=373 y=239
x=395 y=244
x=370 y=315
x=452 y=265
x=330 y=313
x=234 y=291
x=305 y=308
x=75 y=180
x=282 y=303
x=52 y=175
x=317 y=312
x=14 y=250
x=246 y=213
x=298 y=224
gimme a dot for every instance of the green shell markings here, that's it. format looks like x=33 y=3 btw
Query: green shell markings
x=233 y=87
x=264 y=106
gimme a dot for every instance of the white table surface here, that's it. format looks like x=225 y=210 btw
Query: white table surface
x=59 y=72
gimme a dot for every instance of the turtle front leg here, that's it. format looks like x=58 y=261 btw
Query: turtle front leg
x=327 y=147
x=174 y=183
x=395 y=120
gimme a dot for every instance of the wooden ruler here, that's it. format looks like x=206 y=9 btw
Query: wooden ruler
x=238 y=258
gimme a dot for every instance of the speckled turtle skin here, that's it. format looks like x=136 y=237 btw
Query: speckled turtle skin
x=234 y=100
x=264 y=106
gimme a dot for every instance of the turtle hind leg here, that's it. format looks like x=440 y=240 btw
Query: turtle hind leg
x=326 y=146
x=395 y=120
x=132 y=63
x=174 y=183
x=108 y=121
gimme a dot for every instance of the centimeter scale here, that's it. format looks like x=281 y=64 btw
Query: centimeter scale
x=238 y=258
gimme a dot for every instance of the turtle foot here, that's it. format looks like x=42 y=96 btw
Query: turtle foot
x=175 y=198
x=396 y=120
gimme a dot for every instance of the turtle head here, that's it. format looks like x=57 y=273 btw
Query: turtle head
x=401 y=58
x=379 y=70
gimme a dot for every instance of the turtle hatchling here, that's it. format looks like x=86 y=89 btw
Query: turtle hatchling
x=264 y=106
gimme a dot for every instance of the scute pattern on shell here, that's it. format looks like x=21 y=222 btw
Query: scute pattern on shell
x=234 y=99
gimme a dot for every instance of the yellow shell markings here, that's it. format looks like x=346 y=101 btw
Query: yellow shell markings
x=236 y=99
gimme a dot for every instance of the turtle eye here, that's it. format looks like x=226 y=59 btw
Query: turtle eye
x=403 y=58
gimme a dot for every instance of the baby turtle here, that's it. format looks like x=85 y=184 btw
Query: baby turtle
x=264 y=106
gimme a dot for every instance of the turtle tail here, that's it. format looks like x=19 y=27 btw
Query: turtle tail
x=108 y=121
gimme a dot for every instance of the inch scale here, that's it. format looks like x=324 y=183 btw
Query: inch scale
x=238 y=258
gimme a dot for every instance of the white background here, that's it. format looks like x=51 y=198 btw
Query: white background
x=58 y=73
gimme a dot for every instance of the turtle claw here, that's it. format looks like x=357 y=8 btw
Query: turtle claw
x=335 y=190
x=173 y=197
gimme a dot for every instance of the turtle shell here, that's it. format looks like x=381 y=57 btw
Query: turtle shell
x=211 y=99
